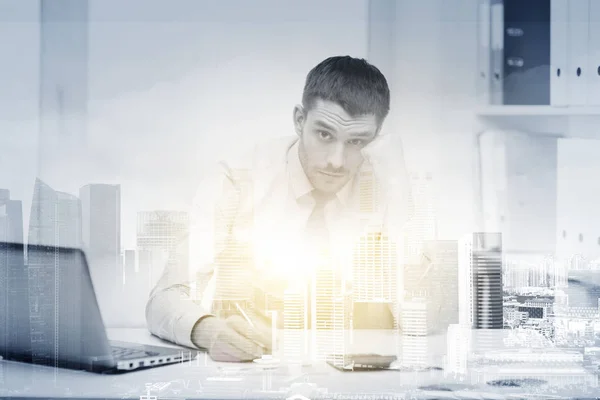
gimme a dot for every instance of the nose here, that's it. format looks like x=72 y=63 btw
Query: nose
x=335 y=158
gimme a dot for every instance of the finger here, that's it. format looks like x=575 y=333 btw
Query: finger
x=258 y=334
x=230 y=346
x=223 y=351
x=242 y=343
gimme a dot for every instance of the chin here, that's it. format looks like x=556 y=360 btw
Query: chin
x=329 y=187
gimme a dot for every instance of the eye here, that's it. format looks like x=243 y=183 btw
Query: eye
x=356 y=142
x=324 y=135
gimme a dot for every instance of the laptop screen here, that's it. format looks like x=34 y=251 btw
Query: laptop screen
x=48 y=310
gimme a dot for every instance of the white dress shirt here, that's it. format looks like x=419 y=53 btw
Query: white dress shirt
x=263 y=200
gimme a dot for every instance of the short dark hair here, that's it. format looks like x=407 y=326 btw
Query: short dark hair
x=353 y=83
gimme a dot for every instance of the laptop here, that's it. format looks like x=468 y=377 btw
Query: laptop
x=49 y=315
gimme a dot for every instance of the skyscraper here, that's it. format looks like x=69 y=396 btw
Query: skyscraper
x=161 y=232
x=442 y=279
x=55 y=221
x=414 y=319
x=423 y=225
x=63 y=90
x=234 y=250
x=13 y=275
x=129 y=267
x=101 y=229
x=374 y=274
x=458 y=349
x=295 y=343
x=480 y=281
x=331 y=316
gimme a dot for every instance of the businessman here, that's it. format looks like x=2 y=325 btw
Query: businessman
x=279 y=210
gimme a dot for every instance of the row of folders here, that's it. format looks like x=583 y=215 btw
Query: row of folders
x=539 y=52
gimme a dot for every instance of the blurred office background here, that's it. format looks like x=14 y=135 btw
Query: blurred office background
x=127 y=105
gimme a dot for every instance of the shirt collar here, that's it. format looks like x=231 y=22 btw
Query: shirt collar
x=300 y=184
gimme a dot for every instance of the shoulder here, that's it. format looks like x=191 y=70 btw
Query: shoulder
x=264 y=154
x=257 y=164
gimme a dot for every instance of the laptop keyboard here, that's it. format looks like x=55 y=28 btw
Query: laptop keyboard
x=126 y=353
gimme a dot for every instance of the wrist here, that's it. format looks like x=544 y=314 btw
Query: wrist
x=202 y=331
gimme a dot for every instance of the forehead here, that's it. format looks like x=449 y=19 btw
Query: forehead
x=334 y=115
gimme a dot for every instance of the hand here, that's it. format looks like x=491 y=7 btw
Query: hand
x=232 y=339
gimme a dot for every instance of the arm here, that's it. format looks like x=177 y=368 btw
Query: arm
x=182 y=296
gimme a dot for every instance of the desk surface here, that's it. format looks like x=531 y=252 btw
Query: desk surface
x=203 y=378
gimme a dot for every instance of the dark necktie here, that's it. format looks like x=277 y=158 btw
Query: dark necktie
x=316 y=225
x=318 y=238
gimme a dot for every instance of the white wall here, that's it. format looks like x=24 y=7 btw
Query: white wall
x=434 y=101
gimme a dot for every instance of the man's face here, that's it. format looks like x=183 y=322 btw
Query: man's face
x=331 y=141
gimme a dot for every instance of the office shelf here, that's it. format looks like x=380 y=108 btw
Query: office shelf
x=577 y=122
x=537 y=111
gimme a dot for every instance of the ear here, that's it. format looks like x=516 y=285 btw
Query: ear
x=299 y=119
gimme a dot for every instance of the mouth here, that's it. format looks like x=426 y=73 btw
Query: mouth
x=331 y=174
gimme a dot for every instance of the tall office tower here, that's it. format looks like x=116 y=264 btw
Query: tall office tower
x=13 y=276
x=137 y=284
x=480 y=281
x=516 y=275
x=458 y=350
x=55 y=220
x=295 y=324
x=234 y=252
x=374 y=274
x=414 y=319
x=101 y=226
x=423 y=225
x=442 y=279
x=162 y=232
x=332 y=307
x=369 y=192
x=561 y=274
x=63 y=91
x=129 y=268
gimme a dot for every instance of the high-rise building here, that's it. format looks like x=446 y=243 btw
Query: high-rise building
x=129 y=267
x=480 y=281
x=369 y=192
x=423 y=224
x=374 y=272
x=55 y=221
x=13 y=275
x=414 y=320
x=295 y=324
x=101 y=226
x=442 y=279
x=331 y=315
x=63 y=91
x=234 y=250
x=458 y=349
x=160 y=235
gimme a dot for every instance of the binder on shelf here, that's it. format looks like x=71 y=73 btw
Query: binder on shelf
x=497 y=51
x=527 y=52
x=593 y=70
x=577 y=54
x=559 y=29
x=483 y=53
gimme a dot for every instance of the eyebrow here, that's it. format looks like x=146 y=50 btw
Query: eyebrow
x=324 y=125
x=354 y=135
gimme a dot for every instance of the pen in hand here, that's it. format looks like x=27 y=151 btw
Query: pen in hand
x=245 y=316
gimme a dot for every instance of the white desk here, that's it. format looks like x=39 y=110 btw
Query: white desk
x=203 y=378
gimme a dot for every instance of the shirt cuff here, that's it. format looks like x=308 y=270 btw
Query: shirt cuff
x=184 y=326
